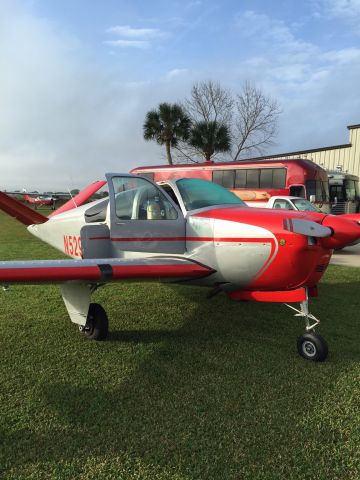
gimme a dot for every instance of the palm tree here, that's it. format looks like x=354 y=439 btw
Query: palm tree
x=210 y=137
x=167 y=125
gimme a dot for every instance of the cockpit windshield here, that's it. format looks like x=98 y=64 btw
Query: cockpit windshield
x=197 y=193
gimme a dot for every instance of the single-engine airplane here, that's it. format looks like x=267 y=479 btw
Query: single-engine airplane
x=185 y=230
x=39 y=200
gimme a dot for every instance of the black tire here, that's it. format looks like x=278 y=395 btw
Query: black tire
x=312 y=346
x=97 y=324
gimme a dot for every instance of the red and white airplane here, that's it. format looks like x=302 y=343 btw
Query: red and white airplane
x=186 y=230
x=39 y=200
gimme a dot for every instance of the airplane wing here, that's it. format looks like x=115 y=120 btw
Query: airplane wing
x=21 y=212
x=101 y=270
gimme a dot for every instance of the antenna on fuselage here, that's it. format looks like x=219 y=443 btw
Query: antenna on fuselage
x=72 y=198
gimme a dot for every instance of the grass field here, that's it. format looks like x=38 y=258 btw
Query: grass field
x=185 y=387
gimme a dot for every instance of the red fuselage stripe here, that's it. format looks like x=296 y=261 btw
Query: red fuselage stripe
x=183 y=239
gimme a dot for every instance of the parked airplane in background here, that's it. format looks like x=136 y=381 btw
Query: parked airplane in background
x=186 y=230
x=39 y=200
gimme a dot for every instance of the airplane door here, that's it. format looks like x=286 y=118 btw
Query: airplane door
x=143 y=218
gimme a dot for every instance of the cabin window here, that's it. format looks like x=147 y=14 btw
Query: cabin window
x=138 y=199
x=283 y=204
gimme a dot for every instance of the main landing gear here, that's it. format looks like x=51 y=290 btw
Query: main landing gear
x=310 y=345
x=97 y=324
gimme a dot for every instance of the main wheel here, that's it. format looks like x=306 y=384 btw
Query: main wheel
x=97 y=324
x=312 y=346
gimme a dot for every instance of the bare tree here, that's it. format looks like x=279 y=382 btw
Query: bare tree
x=256 y=121
x=209 y=102
x=250 y=116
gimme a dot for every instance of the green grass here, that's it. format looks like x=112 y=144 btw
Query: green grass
x=184 y=388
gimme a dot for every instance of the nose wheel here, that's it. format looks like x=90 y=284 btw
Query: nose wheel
x=310 y=345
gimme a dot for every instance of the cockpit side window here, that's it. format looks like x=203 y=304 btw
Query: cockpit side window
x=138 y=199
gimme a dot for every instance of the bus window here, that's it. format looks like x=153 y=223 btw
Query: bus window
x=279 y=178
x=266 y=177
x=224 y=178
x=240 y=178
x=297 y=191
x=325 y=191
x=350 y=189
x=252 y=178
x=318 y=188
x=336 y=191
x=272 y=177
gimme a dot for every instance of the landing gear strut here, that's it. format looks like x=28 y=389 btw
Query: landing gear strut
x=97 y=324
x=310 y=345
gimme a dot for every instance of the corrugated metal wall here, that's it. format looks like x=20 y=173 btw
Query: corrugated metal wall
x=347 y=156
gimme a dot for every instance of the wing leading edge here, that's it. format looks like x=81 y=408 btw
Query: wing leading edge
x=100 y=270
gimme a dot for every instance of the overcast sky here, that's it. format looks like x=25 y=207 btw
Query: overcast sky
x=77 y=76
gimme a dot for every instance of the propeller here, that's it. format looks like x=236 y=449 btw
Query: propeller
x=307 y=227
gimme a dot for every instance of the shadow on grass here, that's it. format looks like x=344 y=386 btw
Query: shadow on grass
x=223 y=396
x=147 y=336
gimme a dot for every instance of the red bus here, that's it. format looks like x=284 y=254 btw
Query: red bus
x=254 y=181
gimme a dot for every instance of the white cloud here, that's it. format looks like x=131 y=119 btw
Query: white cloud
x=316 y=87
x=128 y=43
x=129 y=32
x=271 y=32
x=342 y=8
x=176 y=72
x=63 y=120
x=345 y=11
x=344 y=56
x=133 y=37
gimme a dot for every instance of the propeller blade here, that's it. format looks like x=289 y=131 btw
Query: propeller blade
x=306 y=227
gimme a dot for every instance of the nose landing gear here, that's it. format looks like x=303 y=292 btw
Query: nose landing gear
x=310 y=345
